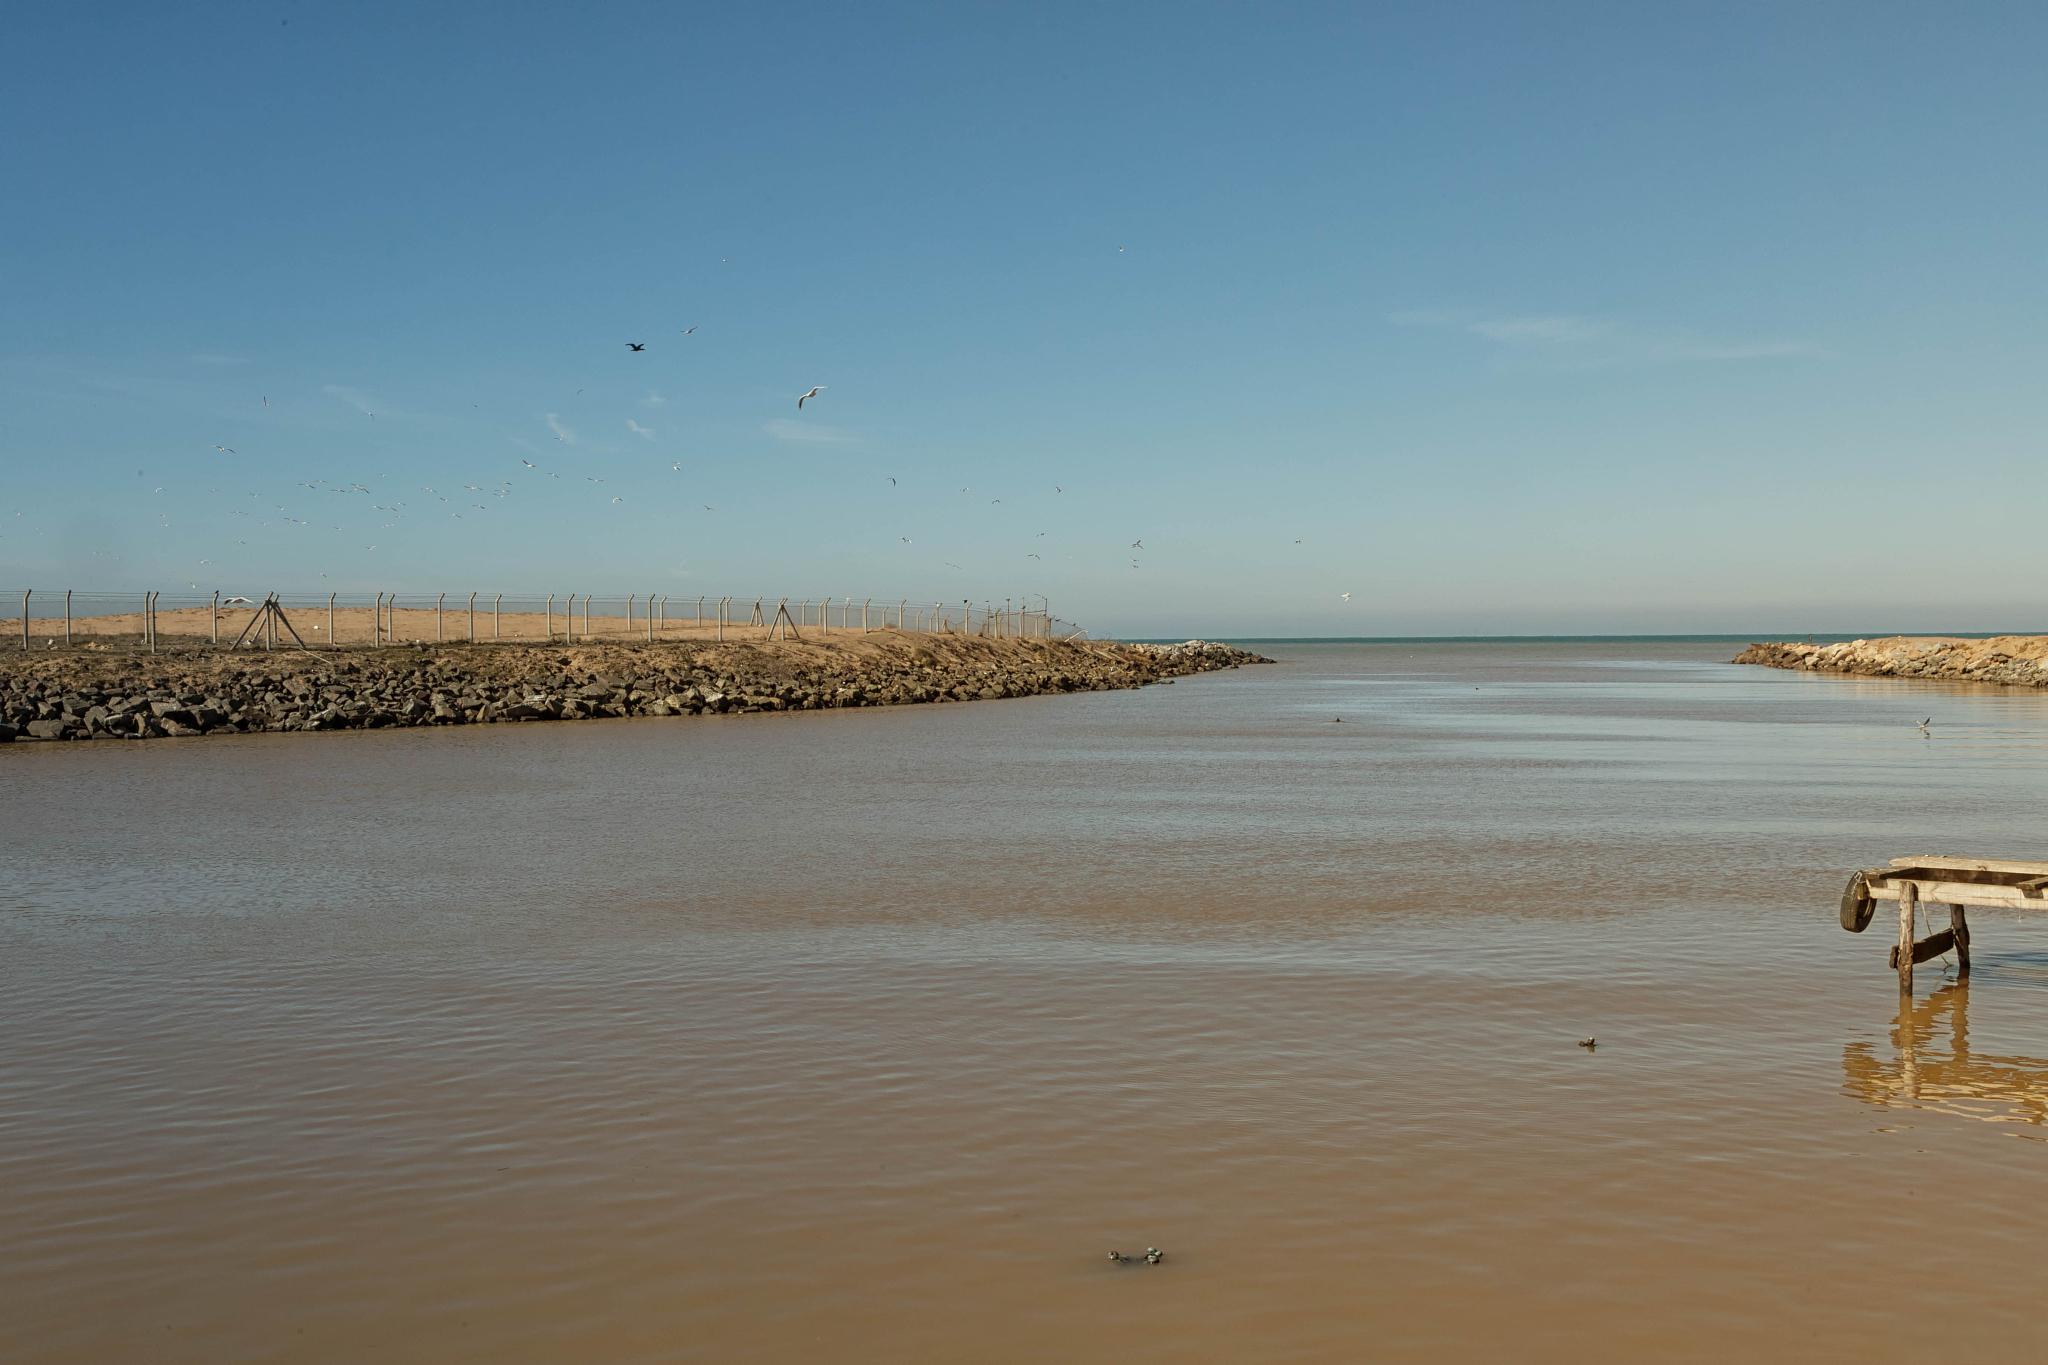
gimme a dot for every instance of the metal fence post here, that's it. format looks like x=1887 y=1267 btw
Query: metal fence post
x=865 y=604
x=439 y=636
x=650 y=618
x=332 y=643
x=377 y=621
x=24 y=619
x=498 y=617
x=472 y=618
x=724 y=607
x=551 y=618
x=586 y=618
x=629 y=613
x=216 y=616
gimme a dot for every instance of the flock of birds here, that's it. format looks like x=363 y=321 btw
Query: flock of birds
x=395 y=511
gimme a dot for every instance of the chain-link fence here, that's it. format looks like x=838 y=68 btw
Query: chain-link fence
x=155 y=621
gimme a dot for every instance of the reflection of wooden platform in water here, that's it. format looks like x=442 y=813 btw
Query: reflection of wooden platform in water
x=1991 y=1088
x=2002 y=883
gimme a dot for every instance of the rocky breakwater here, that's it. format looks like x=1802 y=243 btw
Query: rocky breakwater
x=2015 y=660
x=98 y=696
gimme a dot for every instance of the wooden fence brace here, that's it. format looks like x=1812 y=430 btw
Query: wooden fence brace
x=439 y=636
x=498 y=617
x=1909 y=895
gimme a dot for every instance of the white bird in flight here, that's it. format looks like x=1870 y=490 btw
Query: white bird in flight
x=816 y=389
x=1345 y=596
x=224 y=450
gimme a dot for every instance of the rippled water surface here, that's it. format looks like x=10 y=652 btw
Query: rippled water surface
x=865 y=1036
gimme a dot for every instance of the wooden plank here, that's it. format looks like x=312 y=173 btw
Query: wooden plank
x=2025 y=868
x=1989 y=896
x=1902 y=955
x=1932 y=946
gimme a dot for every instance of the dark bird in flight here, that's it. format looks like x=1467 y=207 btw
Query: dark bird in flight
x=636 y=345
x=892 y=483
x=1137 y=545
x=688 y=330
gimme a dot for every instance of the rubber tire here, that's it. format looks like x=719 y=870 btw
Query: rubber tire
x=1857 y=904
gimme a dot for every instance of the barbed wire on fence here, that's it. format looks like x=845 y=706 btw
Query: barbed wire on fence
x=150 y=621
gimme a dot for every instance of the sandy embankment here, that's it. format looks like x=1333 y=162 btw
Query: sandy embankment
x=414 y=625
x=2013 y=660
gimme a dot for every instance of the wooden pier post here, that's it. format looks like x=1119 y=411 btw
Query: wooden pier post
x=1959 y=927
x=1908 y=898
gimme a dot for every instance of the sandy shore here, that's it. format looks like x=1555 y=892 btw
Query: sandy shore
x=2012 y=660
x=425 y=625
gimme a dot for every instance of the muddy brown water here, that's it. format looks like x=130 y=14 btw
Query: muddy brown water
x=866 y=1036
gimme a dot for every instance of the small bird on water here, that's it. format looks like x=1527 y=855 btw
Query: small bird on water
x=1589 y=1043
x=1153 y=1255
x=1925 y=723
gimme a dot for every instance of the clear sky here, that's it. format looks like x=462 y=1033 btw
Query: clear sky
x=1502 y=318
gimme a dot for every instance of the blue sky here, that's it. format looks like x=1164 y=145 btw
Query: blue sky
x=1518 y=318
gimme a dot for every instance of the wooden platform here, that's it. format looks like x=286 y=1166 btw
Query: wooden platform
x=1993 y=883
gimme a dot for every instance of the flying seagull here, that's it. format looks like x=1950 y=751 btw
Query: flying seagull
x=892 y=483
x=632 y=346
x=1346 y=596
x=816 y=389
x=529 y=464
x=224 y=450
x=1925 y=723
x=1137 y=545
x=688 y=330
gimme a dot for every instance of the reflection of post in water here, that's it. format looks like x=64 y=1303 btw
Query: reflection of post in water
x=1935 y=1069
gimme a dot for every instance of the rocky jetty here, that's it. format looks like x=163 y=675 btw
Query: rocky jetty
x=78 y=695
x=2015 y=660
